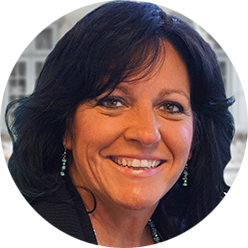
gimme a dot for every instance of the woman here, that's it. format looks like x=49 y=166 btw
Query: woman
x=125 y=138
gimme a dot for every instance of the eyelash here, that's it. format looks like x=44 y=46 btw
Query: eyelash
x=169 y=104
x=111 y=100
x=114 y=100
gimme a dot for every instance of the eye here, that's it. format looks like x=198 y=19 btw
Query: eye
x=111 y=102
x=171 y=107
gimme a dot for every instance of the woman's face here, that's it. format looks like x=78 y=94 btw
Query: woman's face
x=129 y=148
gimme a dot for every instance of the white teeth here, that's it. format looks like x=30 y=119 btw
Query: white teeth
x=153 y=164
x=143 y=163
x=137 y=164
x=157 y=163
x=124 y=162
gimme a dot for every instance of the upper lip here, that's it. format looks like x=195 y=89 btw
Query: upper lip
x=139 y=157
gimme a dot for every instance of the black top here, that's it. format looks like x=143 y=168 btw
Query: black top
x=65 y=210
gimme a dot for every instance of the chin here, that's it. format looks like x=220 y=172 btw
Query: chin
x=139 y=205
x=138 y=202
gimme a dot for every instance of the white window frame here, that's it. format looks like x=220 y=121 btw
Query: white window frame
x=44 y=51
x=27 y=78
x=222 y=57
x=33 y=76
x=6 y=95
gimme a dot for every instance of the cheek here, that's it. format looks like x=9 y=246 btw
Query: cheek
x=186 y=135
x=179 y=140
x=95 y=133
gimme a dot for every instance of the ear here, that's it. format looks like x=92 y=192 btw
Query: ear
x=68 y=140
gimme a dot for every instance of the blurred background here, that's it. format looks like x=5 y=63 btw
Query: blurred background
x=23 y=76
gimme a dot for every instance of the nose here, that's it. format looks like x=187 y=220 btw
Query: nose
x=143 y=128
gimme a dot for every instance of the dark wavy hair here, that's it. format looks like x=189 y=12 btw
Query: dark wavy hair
x=118 y=41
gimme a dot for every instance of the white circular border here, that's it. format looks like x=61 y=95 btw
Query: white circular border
x=21 y=21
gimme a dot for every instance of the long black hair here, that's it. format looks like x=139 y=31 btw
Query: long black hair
x=118 y=41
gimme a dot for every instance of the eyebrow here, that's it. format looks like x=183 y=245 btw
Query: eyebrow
x=163 y=92
x=173 y=91
x=123 y=89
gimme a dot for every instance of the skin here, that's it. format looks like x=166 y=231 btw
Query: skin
x=150 y=119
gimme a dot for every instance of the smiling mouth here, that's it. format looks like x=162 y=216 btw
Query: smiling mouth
x=137 y=164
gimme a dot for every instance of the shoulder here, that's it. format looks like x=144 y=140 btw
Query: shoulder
x=60 y=214
x=59 y=209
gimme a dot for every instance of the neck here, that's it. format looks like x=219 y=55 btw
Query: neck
x=118 y=227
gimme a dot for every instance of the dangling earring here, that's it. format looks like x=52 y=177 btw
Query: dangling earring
x=185 y=176
x=63 y=167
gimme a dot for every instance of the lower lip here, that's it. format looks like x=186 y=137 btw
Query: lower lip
x=138 y=172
